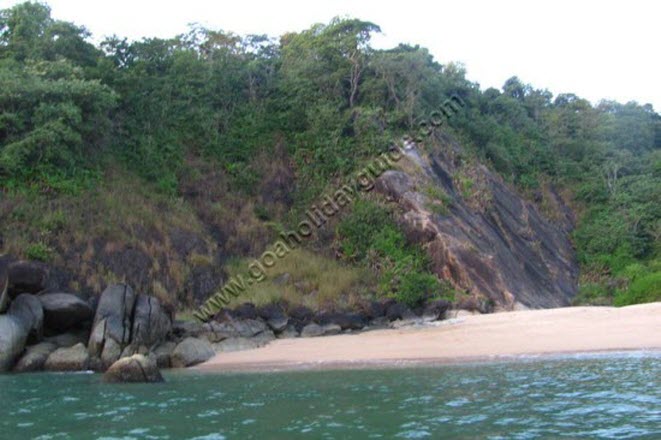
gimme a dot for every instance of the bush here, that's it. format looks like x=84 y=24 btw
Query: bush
x=415 y=288
x=643 y=289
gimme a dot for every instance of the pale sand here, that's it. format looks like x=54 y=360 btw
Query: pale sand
x=482 y=337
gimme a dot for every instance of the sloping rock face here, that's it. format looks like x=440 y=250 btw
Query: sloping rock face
x=483 y=237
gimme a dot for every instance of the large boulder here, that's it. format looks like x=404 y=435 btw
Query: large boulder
x=28 y=309
x=163 y=353
x=191 y=351
x=111 y=330
x=136 y=368
x=13 y=335
x=28 y=277
x=73 y=358
x=151 y=323
x=63 y=311
x=35 y=357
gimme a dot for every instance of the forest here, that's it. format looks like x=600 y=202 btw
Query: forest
x=110 y=140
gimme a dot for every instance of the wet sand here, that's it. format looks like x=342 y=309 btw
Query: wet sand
x=469 y=338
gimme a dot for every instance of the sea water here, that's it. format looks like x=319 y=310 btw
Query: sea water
x=592 y=396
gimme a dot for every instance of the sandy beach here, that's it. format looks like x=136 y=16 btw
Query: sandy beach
x=480 y=337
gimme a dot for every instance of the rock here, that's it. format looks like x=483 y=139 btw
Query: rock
x=13 y=334
x=63 y=311
x=69 y=339
x=111 y=330
x=4 y=285
x=28 y=309
x=35 y=357
x=494 y=245
x=27 y=277
x=379 y=323
x=184 y=329
x=399 y=311
x=271 y=311
x=191 y=351
x=244 y=311
x=151 y=323
x=73 y=358
x=331 y=329
x=435 y=310
x=218 y=331
x=248 y=328
x=346 y=320
x=278 y=324
x=162 y=354
x=134 y=369
x=288 y=333
x=300 y=316
x=235 y=344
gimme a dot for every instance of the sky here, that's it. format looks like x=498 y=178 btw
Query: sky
x=595 y=49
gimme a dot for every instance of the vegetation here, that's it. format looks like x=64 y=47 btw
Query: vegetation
x=260 y=127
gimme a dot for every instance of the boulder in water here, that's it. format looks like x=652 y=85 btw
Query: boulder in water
x=134 y=369
x=73 y=358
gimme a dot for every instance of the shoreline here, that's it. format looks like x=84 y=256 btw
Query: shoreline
x=506 y=336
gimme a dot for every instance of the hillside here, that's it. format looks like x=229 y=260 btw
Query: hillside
x=170 y=164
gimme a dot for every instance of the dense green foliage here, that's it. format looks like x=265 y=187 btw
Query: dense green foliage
x=369 y=235
x=68 y=109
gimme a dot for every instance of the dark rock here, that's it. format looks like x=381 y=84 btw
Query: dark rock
x=69 y=339
x=240 y=344
x=184 y=329
x=312 y=330
x=346 y=320
x=248 y=328
x=300 y=316
x=73 y=358
x=134 y=369
x=278 y=324
x=288 y=333
x=435 y=310
x=244 y=311
x=377 y=309
x=151 y=323
x=35 y=357
x=4 y=285
x=162 y=354
x=191 y=351
x=63 y=311
x=399 y=311
x=13 y=335
x=29 y=310
x=203 y=282
x=271 y=311
x=111 y=331
x=27 y=277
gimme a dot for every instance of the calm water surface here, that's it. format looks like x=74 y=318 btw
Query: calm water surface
x=608 y=396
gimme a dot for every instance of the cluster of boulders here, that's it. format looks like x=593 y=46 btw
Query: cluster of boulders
x=41 y=329
x=130 y=336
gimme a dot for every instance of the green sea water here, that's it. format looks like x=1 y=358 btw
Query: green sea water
x=592 y=396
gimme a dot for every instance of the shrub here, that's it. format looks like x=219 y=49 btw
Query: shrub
x=415 y=288
x=643 y=289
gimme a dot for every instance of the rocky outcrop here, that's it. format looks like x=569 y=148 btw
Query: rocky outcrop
x=483 y=237
x=63 y=311
x=314 y=330
x=35 y=357
x=73 y=358
x=134 y=369
x=124 y=324
x=191 y=351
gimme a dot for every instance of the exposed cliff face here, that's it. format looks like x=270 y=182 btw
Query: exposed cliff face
x=480 y=234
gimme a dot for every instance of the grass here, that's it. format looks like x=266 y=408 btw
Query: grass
x=315 y=281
